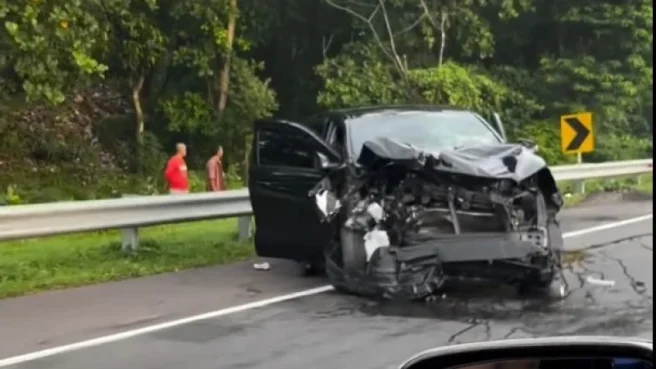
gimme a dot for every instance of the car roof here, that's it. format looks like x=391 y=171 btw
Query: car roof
x=349 y=115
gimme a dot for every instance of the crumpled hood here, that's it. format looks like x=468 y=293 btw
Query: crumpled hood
x=500 y=161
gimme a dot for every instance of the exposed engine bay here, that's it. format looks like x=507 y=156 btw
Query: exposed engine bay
x=409 y=223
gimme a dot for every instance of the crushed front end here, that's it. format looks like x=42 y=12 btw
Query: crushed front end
x=407 y=228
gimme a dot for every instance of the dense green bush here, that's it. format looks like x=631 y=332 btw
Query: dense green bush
x=621 y=147
x=546 y=135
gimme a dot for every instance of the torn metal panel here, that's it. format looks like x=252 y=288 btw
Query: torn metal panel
x=473 y=247
x=373 y=240
x=419 y=271
x=501 y=161
x=327 y=203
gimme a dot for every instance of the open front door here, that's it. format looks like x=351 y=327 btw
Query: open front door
x=285 y=167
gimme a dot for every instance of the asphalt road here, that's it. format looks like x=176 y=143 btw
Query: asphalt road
x=329 y=330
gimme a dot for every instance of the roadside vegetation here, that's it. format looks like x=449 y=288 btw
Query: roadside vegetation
x=67 y=261
x=642 y=185
x=94 y=95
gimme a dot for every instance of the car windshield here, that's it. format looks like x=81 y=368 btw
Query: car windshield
x=434 y=129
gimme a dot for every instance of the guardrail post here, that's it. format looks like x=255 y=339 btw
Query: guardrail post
x=130 y=239
x=129 y=236
x=580 y=184
x=244 y=228
x=581 y=187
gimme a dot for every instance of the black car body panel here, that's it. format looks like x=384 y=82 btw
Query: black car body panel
x=279 y=193
x=403 y=219
x=502 y=161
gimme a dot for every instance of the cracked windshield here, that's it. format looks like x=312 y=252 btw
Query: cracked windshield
x=291 y=184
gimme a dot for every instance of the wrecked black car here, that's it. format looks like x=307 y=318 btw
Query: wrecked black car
x=395 y=202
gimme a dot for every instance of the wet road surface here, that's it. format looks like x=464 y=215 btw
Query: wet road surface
x=337 y=331
x=51 y=319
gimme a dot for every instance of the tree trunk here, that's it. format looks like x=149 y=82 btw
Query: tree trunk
x=138 y=110
x=224 y=80
x=140 y=120
x=440 y=59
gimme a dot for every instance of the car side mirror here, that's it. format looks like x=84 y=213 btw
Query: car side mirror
x=497 y=121
x=583 y=352
x=325 y=163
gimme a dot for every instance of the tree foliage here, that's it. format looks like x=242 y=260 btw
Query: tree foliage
x=126 y=79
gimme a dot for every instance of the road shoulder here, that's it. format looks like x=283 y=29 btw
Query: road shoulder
x=48 y=319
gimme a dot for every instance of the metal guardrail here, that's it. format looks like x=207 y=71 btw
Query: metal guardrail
x=602 y=170
x=127 y=214
x=131 y=213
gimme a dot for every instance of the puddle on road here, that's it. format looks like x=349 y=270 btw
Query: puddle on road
x=623 y=306
x=468 y=313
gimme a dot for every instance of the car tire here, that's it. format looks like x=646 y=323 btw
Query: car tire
x=551 y=288
x=545 y=282
x=351 y=242
x=314 y=268
x=354 y=257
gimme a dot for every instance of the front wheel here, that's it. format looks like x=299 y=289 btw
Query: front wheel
x=354 y=257
x=314 y=268
x=554 y=287
x=550 y=281
x=351 y=243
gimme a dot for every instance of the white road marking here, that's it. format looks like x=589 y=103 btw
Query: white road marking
x=239 y=308
x=606 y=226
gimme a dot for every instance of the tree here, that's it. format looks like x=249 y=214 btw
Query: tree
x=207 y=45
x=154 y=72
x=609 y=58
x=50 y=47
x=138 y=44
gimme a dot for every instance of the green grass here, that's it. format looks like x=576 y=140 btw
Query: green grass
x=592 y=187
x=28 y=266
x=34 y=265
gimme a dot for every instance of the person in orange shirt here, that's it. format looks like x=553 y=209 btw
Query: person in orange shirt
x=214 y=170
x=176 y=171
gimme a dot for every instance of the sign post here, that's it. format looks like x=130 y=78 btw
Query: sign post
x=577 y=137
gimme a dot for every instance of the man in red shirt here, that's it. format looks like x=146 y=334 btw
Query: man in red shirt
x=176 y=171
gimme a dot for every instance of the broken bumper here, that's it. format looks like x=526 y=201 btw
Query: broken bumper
x=423 y=267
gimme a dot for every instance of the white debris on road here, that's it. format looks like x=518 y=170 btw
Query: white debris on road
x=262 y=266
x=600 y=282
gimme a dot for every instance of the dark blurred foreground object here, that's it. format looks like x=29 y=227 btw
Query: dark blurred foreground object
x=575 y=352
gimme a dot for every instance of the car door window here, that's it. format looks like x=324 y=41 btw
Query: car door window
x=286 y=148
x=335 y=136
